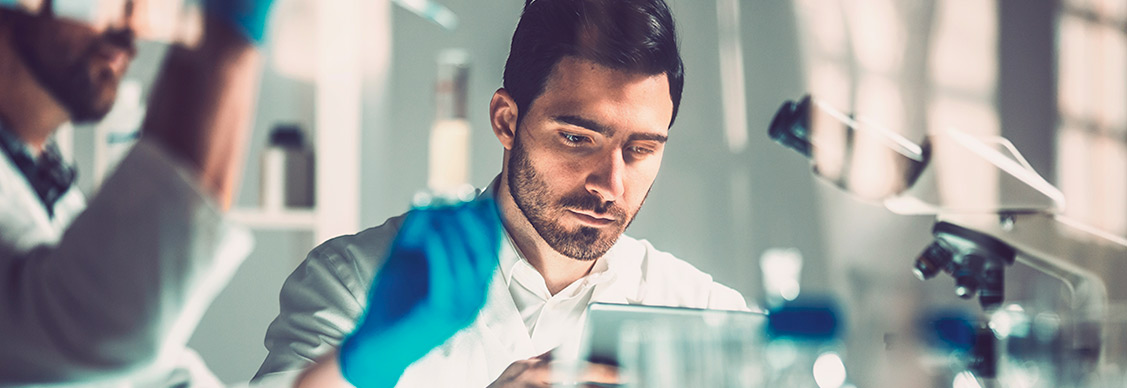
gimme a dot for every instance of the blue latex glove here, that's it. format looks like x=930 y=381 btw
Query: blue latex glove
x=249 y=16
x=433 y=284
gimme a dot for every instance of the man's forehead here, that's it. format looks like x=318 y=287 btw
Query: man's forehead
x=584 y=93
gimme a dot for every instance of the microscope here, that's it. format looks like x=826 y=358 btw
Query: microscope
x=974 y=241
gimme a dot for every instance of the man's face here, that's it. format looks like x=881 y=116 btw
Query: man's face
x=78 y=65
x=586 y=154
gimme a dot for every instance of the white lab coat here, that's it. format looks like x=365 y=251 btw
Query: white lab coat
x=109 y=294
x=324 y=297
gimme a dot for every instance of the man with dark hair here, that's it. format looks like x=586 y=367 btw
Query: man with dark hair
x=591 y=88
x=108 y=294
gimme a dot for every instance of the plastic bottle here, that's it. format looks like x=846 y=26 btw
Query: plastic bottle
x=450 y=134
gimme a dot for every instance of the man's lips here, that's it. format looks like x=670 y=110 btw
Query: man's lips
x=591 y=218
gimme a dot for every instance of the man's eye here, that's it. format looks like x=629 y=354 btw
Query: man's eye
x=641 y=151
x=573 y=139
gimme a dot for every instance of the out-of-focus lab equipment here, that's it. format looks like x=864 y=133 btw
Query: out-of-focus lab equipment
x=802 y=345
x=287 y=170
x=656 y=346
x=448 y=168
x=796 y=344
x=976 y=244
x=607 y=322
x=431 y=10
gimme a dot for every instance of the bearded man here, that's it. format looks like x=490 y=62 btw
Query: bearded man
x=591 y=90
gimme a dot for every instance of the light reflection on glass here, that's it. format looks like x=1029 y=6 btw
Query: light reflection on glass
x=829 y=371
x=965 y=380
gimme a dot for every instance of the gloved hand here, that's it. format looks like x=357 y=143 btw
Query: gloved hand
x=248 y=16
x=433 y=284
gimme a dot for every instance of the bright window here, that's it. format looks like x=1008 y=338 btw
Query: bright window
x=1092 y=98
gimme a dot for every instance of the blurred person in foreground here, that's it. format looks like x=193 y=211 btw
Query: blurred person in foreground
x=108 y=293
x=591 y=89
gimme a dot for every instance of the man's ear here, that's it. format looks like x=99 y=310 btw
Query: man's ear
x=503 y=117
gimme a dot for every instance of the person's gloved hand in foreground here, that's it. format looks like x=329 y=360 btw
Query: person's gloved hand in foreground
x=249 y=16
x=433 y=284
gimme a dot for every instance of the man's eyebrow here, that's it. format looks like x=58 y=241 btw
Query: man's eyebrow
x=649 y=137
x=585 y=123
x=607 y=131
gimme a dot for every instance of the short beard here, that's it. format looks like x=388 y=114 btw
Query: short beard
x=78 y=94
x=530 y=192
x=72 y=85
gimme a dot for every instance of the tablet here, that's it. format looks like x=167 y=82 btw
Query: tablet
x=605 y=321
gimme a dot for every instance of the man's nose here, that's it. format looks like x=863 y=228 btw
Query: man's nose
x=607 y=180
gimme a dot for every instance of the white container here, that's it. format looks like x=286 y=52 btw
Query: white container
x=449 y=152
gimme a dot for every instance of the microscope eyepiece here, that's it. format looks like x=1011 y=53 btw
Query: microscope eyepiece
x=791 y=126
x=933 y=259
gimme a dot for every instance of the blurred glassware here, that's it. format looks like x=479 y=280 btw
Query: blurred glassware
x=782 y=271
x=706 y=354
x=958 y=349
x=431 y=10
x=803 y=347
x=1061 y=349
